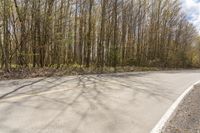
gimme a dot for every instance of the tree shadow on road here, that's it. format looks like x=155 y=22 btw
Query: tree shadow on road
x=95 y=92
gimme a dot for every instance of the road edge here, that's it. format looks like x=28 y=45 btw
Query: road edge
x=164 y=119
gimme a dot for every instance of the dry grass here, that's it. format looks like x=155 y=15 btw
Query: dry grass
x=73 y=70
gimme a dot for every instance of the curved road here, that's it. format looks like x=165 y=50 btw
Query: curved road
x=111 y=103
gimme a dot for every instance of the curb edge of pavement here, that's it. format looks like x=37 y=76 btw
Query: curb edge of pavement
x=164 y=119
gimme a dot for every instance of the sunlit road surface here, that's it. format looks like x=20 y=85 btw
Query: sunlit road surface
x=111 y=103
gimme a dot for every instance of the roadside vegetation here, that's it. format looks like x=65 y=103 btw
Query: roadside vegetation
x=39 y=37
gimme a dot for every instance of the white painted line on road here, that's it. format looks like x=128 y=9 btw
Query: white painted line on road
x=160 y=125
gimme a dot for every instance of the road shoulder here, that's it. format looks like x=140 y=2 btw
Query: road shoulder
x=186 y=118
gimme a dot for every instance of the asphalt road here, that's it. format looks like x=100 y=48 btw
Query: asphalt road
x=112 y=103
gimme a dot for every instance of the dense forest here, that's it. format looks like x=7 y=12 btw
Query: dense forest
x=96 y=33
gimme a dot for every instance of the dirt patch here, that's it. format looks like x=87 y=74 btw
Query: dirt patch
x=186 y=119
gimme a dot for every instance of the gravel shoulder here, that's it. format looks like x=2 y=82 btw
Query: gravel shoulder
x=186 y=119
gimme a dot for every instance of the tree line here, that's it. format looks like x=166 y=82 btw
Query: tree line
x=53 y=33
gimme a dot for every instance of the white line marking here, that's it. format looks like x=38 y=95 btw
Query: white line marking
x=160 y=125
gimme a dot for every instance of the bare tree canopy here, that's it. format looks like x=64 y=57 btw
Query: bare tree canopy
x=49 y=33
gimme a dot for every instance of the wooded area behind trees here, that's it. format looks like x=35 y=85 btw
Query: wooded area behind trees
x=53 y=33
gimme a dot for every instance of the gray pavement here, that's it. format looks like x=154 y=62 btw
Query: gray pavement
x=111 y=103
